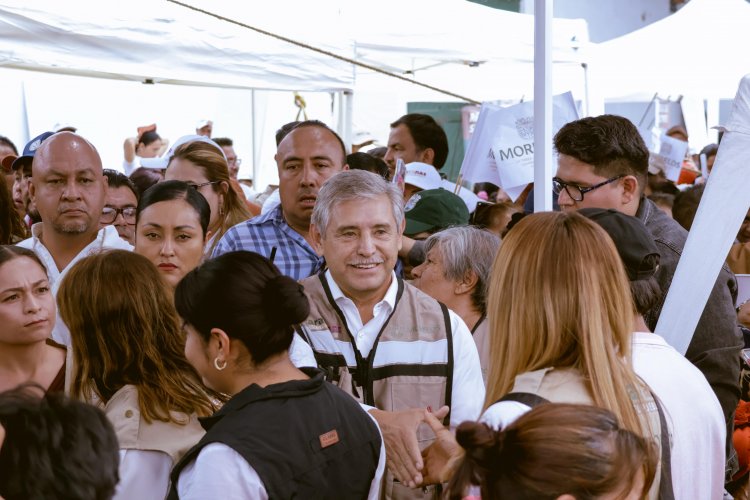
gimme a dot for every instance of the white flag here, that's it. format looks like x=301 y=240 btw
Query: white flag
x=501 y=150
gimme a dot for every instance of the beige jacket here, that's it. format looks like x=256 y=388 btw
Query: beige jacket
x=133 y=433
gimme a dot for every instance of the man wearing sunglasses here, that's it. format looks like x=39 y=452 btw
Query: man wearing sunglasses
x=603 y=163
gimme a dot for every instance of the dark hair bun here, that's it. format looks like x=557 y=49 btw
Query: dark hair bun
x=483 y=444
x=285 y=302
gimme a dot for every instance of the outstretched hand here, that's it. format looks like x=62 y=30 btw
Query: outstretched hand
x=399 y=429
x=442 y=456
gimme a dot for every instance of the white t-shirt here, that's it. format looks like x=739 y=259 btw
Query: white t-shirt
x=143 y=475
x=694 y=416
x=219 y=470
x=130 y=167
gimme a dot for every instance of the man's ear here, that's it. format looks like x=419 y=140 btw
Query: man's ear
x=400 y=235
x=317 y=239
x=345 y=167
x=427 y=156
x=630 y=189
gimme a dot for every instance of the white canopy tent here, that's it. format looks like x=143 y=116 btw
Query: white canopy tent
x=472 y=50
x=164 y=43
x=701 y=51
x=157 y=42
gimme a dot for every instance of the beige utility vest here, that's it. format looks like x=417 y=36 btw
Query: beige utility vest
x=566 y=385
x=409 y=366
x=134 y=433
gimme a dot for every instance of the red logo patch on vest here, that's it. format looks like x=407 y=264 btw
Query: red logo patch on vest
x=329 y=439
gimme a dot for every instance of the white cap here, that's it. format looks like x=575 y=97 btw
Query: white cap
x=161 y=162
x=422 y=175
x=363 y=138
x=203 y=123
x=64 y=126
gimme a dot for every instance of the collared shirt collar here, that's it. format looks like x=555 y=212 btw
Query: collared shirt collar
x=389 y=298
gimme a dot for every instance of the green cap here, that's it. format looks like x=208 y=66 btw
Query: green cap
x=432 y=210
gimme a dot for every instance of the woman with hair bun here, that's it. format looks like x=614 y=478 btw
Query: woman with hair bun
x=555 y=452
x=285 y=432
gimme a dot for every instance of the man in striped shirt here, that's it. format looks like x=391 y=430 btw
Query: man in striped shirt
x=308 y=156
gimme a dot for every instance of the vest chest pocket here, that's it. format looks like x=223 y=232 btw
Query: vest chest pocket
x=421 y=394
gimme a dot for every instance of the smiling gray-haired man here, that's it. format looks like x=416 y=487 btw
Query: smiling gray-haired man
x=383 y=341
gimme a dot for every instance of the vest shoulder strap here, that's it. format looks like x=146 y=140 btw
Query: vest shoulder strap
x=449 y=375
x=526 y=398
x=665 y=484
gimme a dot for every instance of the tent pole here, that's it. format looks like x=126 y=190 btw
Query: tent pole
x=255 y=140
x=542 y=105
x=348 y=117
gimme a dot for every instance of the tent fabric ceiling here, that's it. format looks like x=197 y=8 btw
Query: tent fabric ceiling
x=161 y=42
x=167 y=43
x=701 y=50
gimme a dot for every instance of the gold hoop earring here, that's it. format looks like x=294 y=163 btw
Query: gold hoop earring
x=219 y=367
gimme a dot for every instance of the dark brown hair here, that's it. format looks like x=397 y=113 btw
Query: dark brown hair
x=10 y=252
x=552 y=450
x=609 y=143
x=426 y=133
x=125 y=330
x=245 y=295
x=12 y=228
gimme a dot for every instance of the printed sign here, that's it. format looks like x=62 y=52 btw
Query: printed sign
x=501 y=150
x=400 y=174
x=666 y=153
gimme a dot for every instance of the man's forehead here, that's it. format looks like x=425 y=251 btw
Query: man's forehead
x=299 y=143
x=66 y=166
x=570 y=168
x=400 y=134
x=361 y=213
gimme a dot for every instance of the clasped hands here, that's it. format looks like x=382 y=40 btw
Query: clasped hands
x=412 y=467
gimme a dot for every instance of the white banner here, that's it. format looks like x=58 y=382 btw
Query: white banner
x=725 y=199
x=501 y=150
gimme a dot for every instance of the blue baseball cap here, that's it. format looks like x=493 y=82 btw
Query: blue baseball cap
x=13 y=163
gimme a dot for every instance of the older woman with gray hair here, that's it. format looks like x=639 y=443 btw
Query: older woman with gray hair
x=455 y=272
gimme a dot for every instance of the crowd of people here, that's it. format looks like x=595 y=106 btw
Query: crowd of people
x=363 y=331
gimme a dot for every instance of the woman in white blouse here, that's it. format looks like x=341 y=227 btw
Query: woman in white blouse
x=285 y=432
x=128 y=354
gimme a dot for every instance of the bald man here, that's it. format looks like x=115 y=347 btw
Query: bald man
x=68 y=188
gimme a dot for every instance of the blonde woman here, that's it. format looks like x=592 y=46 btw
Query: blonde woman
x=561 y=315
x=202 y=165
x=128 y=352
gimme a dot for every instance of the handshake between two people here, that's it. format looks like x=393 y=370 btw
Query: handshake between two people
x=410 y=465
